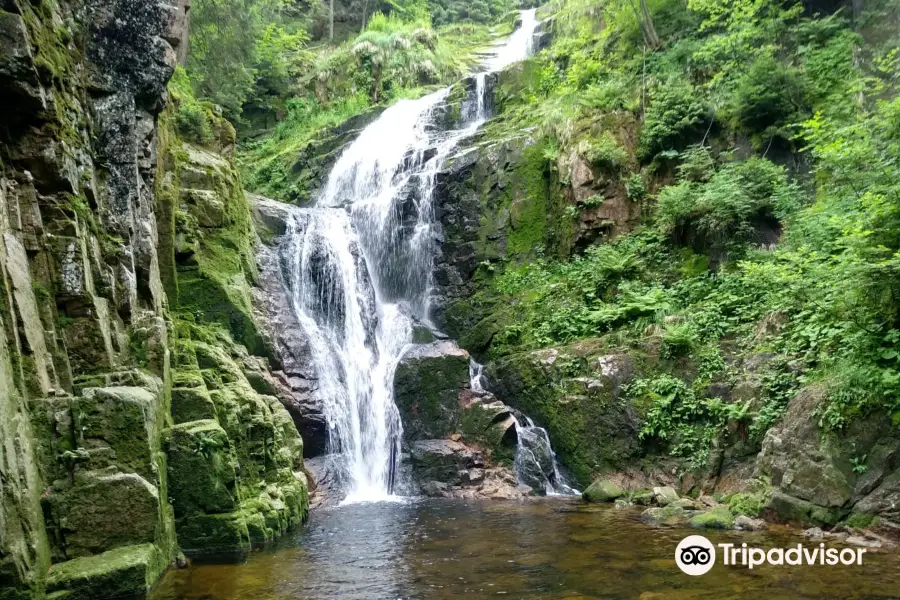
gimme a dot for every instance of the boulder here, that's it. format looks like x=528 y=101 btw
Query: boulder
x=795 y=510
x=104 y=510
x=817 y=466
x=664 y=495
x=602 y=490
x=427 y=386
x=664 y=515
x=593 y=427
x=128 y=571
x=717 y=518
x=441 y=460
x=745 y=523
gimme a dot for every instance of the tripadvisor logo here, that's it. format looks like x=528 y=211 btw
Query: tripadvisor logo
x=696 y=555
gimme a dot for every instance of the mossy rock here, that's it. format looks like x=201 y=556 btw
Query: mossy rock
x=122 y=572
x=664 y=515
x=602 y=490
x=427 y=384
x=214 y=534
x=192 y=403
x=794 y=510
x=201 y=468
x=717 y=518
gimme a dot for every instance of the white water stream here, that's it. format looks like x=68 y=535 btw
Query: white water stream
x=361 y=272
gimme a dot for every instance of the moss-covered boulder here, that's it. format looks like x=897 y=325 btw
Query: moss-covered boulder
x=782 y=507
x=427 y=386
x=236 y=476
x=716 y=518
x=602 y=490
x=664 y=515
x=129 y=571
x=102 y=510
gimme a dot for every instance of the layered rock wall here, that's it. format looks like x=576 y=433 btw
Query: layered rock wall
x=107 y=374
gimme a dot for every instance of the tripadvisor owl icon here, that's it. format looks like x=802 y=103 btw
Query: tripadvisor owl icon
x=695 y=555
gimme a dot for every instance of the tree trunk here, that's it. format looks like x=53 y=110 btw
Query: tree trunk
x=648 y=24
x=376 y=85
x=365 y=10
x=331 y=20
x=645 y=22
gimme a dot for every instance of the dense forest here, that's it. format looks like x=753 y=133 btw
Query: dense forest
x=757 y=137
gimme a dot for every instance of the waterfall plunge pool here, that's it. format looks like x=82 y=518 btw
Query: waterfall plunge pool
x=547 y=548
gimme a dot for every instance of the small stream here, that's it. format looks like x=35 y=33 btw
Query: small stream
x=550 y=548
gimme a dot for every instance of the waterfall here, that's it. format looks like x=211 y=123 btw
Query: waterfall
x=361 y=271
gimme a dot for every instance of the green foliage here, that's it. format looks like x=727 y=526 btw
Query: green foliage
x=720 y=206
x=225 y=35
x=769 y=97
x=192 y=118
x=750 y=504
x=676 y=111
x=676 y=416
x=444 y=12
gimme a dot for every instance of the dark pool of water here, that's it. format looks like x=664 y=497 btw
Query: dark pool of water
x=550 y=548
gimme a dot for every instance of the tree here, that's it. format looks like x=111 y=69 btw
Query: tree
x=645 y=22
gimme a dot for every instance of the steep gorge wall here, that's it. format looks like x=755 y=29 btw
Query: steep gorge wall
x=133 y=420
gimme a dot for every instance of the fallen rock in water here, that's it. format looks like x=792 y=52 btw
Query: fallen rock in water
x=602 y=490
x=858 y=540
x=664 y=495
x=717 y=518
x=745 y=523
x=664 y=515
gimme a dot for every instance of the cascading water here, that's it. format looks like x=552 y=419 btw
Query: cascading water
x=361 y=271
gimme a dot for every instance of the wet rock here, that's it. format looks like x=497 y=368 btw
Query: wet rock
x=664 y=495
x=717 y=518
x=427 y=386
x=665 y=515
x=745 y=523
x=440 y=460
x=602 y=490
x=592 y=427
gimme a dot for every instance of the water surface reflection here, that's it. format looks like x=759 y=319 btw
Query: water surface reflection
x=552 y=548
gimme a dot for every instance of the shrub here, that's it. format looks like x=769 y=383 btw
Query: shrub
x=673 y=115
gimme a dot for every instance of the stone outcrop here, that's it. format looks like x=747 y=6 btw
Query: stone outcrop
x=427 y=385
x=814 y=471
x=296 y=378
x=125 y=276
x=594 y=428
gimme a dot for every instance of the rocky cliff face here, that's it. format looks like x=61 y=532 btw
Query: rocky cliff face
x=120 y=398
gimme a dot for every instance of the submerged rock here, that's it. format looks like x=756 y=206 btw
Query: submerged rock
x=665 y=515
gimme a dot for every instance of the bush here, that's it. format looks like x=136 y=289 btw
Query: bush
x=675 y=113
x=769 y=97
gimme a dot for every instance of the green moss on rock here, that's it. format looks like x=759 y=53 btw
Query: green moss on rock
x=427 y=384
x=602 y=490
x=126 y=571
x=717 y=518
